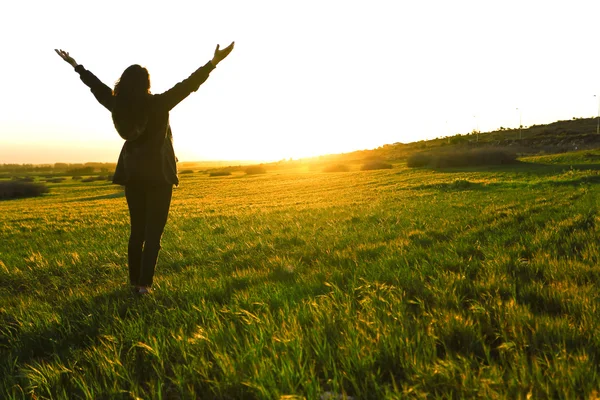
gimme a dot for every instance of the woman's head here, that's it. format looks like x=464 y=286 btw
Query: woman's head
x=135 y=80
x=130 y=110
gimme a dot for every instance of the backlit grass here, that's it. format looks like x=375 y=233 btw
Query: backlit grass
x=373 y=284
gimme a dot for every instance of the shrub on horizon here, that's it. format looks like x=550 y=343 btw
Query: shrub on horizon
x=81 y=171
x=255 y=170
x=462 y=158
x=19 y=189
x=23 y=178
x=95 y=178
x=186 y=171
x=373 y=165
x=55 y=179
x=336 y=168
x=219 y=173
x=418 y=160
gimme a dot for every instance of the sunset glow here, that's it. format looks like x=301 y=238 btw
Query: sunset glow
x=304 y=79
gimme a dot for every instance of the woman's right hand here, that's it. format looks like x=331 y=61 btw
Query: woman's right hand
x=65 y=56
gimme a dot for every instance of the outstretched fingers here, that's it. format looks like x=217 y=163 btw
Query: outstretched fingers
x=221 y=54
x=225 y=52
x=63 y=54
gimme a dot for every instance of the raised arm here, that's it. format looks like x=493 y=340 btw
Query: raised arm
x=180 y=91
x=101 y=92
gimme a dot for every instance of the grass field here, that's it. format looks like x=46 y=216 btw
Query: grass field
x=397 y=283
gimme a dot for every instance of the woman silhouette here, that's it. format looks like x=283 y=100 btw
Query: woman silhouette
x=147 y=164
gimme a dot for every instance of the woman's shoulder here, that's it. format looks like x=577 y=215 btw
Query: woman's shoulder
x=157 y=101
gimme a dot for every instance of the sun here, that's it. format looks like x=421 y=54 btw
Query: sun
x=223 y=147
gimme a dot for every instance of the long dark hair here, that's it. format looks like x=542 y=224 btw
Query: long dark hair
x=130 y=111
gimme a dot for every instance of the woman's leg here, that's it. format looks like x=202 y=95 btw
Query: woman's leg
x=136 y=201
x=158 y=201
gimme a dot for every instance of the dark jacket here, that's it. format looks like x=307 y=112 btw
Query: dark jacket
x=150 y=159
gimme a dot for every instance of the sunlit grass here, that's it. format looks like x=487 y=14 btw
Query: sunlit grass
x=373 y=284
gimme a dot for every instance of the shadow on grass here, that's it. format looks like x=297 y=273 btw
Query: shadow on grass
x=81 y=322
x=458 y=185
x=84 y=320
x=530 y=175
x=102 y=197
x=287 y=278
x=522 y=167
x=583 y=180
x=463 y=185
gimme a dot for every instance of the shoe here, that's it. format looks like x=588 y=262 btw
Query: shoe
x=144 y=290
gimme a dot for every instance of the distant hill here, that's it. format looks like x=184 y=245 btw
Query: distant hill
x=556 y=137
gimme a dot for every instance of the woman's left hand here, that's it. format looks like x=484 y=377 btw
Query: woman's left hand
x=65 y=56
x=221 y=54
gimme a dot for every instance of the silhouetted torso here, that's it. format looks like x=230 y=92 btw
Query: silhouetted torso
x=150 y=159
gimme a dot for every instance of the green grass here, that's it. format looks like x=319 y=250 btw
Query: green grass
x=400 y=283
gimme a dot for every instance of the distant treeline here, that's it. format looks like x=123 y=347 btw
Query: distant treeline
x=67 y=168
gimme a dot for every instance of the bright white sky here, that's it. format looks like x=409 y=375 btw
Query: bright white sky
x=306 y=77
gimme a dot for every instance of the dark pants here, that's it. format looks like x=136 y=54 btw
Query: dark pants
x=148 y=209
